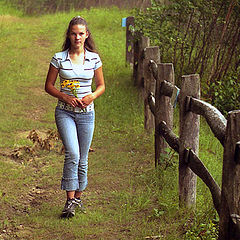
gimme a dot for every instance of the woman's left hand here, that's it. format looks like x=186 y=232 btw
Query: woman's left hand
x=88 y=99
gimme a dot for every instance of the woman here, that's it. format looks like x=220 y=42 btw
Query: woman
x=76 y=65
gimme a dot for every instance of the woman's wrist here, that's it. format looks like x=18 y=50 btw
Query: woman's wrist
x=93 y=96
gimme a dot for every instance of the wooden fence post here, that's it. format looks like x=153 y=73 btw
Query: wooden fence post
x=163 y=108
x=150 y=53
x=135 y=57
x=229 y=226
x=129 y=40
x=143 y=42
x=188 y=138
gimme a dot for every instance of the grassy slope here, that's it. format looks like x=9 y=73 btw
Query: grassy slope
x=126 y=198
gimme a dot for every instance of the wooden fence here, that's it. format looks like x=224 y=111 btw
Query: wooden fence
x=156 y=83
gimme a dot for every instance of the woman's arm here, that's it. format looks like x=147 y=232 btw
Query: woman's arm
x=53 y=91
x=100 y=88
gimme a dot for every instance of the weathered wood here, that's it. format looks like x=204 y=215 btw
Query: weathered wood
x=154 y=69
x=169 y=136
x=229 y=226
x=135 y=56
x=194 y=163
x=150 y=53
x=189 y=138
x=201 y=171
x=151 y=102
x=129 y=39
x=213 y=116
x=170 y=90
x=142 y=44
x=237 y=153
x=166 y=88
x=163 y=108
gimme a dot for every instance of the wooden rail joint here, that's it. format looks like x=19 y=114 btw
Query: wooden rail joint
x=186 y=153
x=166 y=88
x=153 y=69
x=151 y=102
x=235 y=218
x=188 y=103
x=213 y=116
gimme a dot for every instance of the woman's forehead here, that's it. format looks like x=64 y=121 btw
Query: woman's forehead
x=78 y=28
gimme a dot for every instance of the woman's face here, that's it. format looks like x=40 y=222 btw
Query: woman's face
x=78 y=34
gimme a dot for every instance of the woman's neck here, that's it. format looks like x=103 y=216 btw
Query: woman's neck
x=76 y=51
x=77 y=56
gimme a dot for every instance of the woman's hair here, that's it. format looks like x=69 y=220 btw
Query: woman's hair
x=89 y=43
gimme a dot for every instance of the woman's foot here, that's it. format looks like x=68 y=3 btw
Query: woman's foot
x=80 y=205
x=69 y=208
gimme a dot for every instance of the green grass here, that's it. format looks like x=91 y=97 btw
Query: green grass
x=127 y=198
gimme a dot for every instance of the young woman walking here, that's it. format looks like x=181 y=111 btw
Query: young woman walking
x=76 y=65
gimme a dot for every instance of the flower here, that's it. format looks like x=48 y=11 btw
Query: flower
x=72 y=85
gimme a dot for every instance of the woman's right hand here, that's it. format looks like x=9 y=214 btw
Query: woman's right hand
x=50 y=88
x=73 y=101
x=70 y=100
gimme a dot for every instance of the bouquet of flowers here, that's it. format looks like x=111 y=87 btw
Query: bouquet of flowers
x=72 y=85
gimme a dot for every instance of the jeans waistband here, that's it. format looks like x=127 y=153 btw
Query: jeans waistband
x=68 y=107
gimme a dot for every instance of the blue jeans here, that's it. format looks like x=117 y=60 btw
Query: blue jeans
x=76 y=132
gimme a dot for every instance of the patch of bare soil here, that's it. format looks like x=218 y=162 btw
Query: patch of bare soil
x=31 y=194
x=41 y=141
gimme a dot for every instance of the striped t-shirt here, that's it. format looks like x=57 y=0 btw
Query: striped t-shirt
x=76 y=79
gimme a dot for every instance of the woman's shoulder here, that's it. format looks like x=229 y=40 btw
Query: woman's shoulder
x=61 y=55
x=91 y=54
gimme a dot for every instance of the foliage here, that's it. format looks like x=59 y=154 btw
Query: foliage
x=227 y=93
x=205 y=230
x=196 y=36
x=168 y=159
x=6 y=8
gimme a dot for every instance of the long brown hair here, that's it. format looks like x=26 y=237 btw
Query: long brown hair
x=89 y=43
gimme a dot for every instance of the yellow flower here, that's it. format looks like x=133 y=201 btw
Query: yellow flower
x=71 y=85
x=64 y=83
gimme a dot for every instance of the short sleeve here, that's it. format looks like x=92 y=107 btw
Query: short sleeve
x=55 y=61
x=98 y=62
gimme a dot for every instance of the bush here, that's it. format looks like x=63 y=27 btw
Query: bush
x=197 y=37
x=227 y=94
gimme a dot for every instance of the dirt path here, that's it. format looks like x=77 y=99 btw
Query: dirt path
x=117 y=199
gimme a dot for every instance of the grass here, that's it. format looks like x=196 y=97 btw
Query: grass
x=127 y=198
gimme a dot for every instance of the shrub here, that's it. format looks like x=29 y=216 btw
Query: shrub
x=227 y=93
x=197 y=37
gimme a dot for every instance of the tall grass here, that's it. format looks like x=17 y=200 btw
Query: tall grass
x=7 y=9
x=127 y=197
